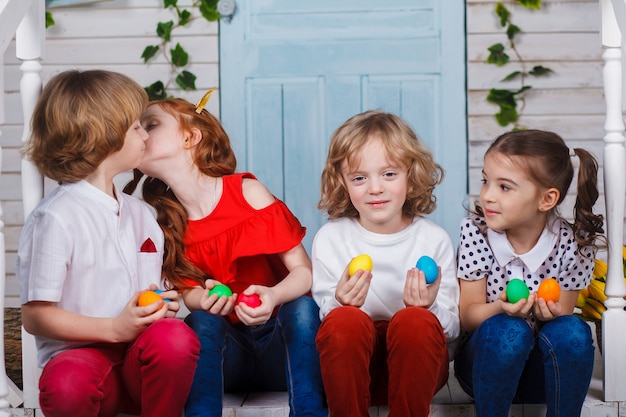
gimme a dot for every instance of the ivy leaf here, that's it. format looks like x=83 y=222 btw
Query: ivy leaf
x=503 y=98
x=184 y=17
x=156 y=91
x=539 y=70
x=506 y=116
x=208 y=9
x=211 y=4
x=49 y=19
x=523 y=89
x=186 y=80
x=503 y=13
x=180 y=57
x=497 y=55
x=164 y=30
x=150 y=52
x=512 y=30
x=511 y=76
x=170 y=3
x=530 y=4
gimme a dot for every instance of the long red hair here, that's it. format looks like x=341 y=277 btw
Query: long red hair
x=213 y=156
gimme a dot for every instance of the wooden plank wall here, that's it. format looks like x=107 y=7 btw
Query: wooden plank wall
x=563 y=35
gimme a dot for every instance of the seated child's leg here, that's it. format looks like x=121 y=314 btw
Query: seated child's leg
x=418 y=361
x=299 y=322
x=84 y=382
x=491 y=362
x=567 y=347
x=159 y=367
x=205 y=396
x=346 y=341
x=532 y=388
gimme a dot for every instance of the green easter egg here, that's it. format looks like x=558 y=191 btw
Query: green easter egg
x=221 y=290
x=516 y=289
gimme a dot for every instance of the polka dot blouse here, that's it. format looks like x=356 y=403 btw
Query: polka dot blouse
x=485 y=253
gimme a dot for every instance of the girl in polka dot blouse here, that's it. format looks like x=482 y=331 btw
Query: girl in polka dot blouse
x=530 y=351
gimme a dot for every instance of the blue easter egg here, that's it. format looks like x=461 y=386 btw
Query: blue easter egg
x=167 y=300
x=429 y=266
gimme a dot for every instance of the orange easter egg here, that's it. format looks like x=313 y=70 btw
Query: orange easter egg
x=549 y=290
x=148 y=297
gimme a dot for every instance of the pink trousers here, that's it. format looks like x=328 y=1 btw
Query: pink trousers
x=150 y=377
x=401 y=363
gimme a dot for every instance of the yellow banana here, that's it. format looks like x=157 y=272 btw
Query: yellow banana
x=596 y=305
x=582 y=298
x=600 y=268
x=593 y=309
x=596 y=290
x=590 y=312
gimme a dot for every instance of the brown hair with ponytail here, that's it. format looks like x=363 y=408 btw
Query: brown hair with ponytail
x=546 y=159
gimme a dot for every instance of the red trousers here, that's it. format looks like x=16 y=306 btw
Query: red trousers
x=150 y=376
x=401 y=363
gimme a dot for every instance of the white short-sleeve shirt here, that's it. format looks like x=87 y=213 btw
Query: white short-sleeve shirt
x=81 y=249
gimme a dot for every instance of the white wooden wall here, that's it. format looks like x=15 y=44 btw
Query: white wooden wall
x=563 y=35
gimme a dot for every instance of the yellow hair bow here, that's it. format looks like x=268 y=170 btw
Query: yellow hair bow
x=204 y=100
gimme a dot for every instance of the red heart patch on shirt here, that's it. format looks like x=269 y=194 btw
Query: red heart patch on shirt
x=148 y=246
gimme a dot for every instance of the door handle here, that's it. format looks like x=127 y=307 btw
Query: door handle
x=226 y=9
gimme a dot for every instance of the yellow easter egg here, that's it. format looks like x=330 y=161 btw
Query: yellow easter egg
x=362 y=261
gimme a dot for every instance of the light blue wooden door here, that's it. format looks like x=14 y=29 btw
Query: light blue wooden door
x=292 y=71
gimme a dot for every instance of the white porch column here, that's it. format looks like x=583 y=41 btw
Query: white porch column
x=30 y=38
x=614 y=319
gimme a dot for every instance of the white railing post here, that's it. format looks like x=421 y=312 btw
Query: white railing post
x=4 y=387
x=12 y=14
x=614 y=318
x=29 y=44
x=29 y=39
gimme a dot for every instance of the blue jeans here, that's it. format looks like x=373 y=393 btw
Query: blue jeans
x=503 y=363
x=276 y=356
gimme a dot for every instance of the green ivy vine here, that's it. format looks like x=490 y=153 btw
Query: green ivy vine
x=511 y=102
x=176 y=55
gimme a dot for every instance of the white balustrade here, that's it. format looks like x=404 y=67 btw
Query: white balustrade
x=614 y=318
x=23 y=20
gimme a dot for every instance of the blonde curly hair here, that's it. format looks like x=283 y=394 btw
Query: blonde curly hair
x=402 y=146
